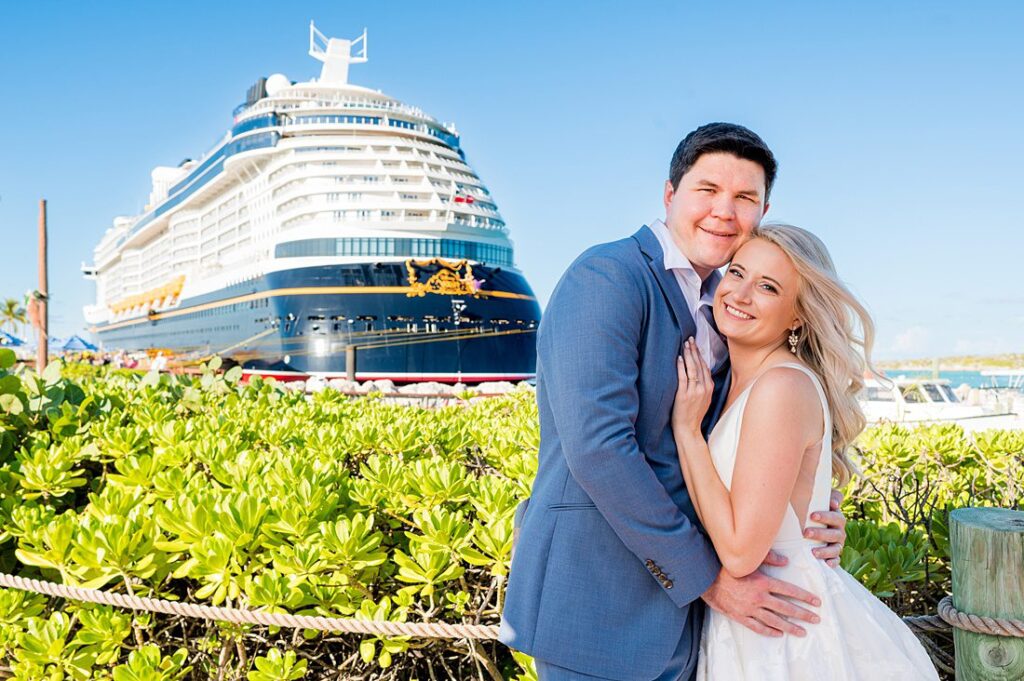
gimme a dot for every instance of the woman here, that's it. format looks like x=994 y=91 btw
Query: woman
x=790 y=414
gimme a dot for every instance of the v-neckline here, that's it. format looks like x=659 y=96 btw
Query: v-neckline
x=725 y=412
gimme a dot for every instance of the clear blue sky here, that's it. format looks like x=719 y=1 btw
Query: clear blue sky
x=899 y=127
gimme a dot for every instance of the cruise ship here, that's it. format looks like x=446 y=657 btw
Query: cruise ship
x=333 y=231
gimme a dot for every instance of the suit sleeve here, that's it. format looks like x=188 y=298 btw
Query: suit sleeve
x=589 y=354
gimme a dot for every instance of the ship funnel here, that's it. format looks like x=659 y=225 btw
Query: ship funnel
x=336 y=55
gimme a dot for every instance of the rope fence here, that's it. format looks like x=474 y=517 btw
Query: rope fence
x=240 y=616
x=947 y=619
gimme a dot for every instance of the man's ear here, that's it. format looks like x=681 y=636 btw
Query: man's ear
x=767 y=205
x=669 y=193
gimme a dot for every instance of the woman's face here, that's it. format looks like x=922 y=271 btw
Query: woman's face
x=755 y=303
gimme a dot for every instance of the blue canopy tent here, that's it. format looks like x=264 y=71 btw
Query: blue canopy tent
x=77 y=344
x=9 y=341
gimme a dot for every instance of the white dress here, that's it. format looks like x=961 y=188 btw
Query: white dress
x=858 y=637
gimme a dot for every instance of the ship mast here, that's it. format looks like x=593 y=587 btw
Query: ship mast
x=336 y=55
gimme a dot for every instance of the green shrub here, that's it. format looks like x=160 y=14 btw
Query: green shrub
x=203 y=489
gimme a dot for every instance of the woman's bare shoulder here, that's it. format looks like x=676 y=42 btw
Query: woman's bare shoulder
x=785 y=394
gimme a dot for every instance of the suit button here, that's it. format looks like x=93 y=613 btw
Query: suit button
x=667 y=583
x=649 y=563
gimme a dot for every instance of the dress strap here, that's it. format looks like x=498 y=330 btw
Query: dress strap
x=817 y=386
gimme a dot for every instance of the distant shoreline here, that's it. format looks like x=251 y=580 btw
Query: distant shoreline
x=996 y=363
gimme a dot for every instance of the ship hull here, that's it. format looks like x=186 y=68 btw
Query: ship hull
x=312 y=320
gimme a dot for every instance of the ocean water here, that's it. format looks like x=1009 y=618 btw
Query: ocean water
x=956 y=378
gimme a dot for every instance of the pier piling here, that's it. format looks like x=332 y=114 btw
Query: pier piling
x=987 y=549
x=350 y=362
x=42 y=298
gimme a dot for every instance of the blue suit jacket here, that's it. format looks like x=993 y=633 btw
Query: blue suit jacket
x=610 y=555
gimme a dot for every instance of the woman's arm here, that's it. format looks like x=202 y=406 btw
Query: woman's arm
x=781 y=420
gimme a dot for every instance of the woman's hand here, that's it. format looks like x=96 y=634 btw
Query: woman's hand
x=693 y=396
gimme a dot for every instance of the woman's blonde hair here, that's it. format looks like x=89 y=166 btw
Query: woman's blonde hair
x=828 y=341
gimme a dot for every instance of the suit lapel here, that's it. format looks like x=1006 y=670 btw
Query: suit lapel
x=650 y=247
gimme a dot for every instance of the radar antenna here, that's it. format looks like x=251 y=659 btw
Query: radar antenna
x=336 y=55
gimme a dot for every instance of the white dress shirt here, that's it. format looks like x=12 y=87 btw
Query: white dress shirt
x=698 y=295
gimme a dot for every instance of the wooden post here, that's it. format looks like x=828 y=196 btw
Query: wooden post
x=350 y=362
x=987 y=549
x=43 y=347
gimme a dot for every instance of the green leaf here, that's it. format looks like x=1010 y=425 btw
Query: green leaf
x=51 y=374
x=151 y=379
x=9 y=384
x=367 y=650
x=277 y=667
x=11 y=404
x=7 y=358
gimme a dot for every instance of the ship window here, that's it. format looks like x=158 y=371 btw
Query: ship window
x=416 y=248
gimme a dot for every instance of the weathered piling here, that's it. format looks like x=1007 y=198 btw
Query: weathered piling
x=987 y=549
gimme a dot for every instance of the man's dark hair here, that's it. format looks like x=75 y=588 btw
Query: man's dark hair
x=723 y=137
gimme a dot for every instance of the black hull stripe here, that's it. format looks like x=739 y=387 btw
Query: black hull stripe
x=284 y=292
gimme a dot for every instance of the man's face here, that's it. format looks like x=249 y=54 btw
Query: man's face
x=720 y=200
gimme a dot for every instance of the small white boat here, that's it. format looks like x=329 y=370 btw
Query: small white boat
x=923 y=401
x=1014 y=377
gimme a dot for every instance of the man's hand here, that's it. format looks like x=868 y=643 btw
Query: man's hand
x=834 y=532
x=759 y=602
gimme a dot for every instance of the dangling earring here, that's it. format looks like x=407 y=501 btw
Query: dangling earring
x=793 y=340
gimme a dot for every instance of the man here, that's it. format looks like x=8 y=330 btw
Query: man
x=611 y=566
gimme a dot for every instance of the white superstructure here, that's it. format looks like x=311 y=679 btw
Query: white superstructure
x=304 y=163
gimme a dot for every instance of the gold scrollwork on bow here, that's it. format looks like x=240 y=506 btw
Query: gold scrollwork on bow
x=443 y=277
